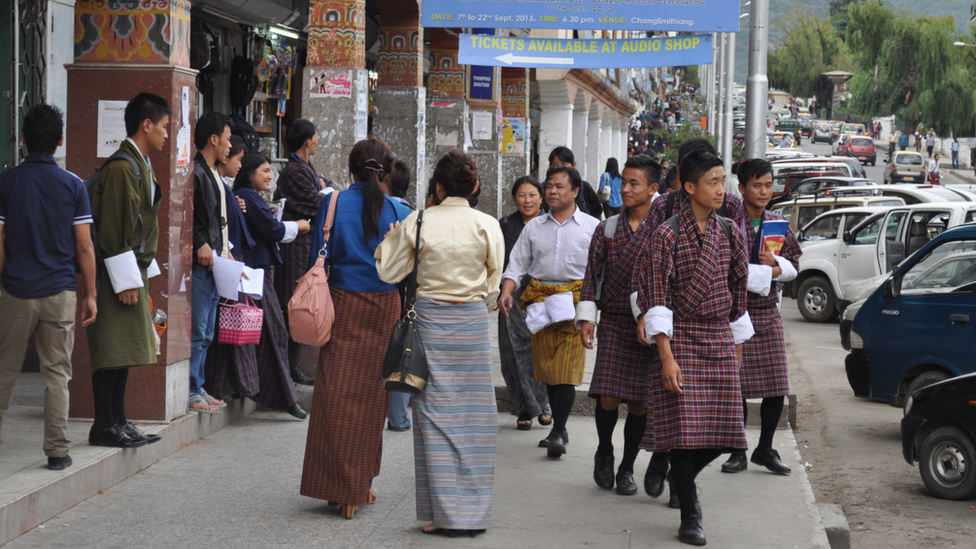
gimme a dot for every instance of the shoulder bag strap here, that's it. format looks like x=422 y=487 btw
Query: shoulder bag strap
x=412 y=284
x=329 y=218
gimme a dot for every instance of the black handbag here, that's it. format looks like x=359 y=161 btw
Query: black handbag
x=405 y=364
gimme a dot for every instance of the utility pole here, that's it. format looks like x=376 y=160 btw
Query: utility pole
x=710 y=95
x=720 y=99
x=757 y=85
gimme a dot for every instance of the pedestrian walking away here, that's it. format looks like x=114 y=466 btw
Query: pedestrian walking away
x=553 y=251
x=45 y=221
x=903 y=141
x=764 y=373
x=123 y=335
x=954 y=149
x=528 y=397
x=695 y=400
x=455 y=417
x=620 y=373
x=344 y=448
x=302 y=190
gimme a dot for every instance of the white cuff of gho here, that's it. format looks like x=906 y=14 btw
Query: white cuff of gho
x=634 y=308
x=291 y=231
x=742 y=329
x=585 y=312
x=536 y=317
x=760 y=278
x=659 y=320
x=785 y=265
x=123 y=271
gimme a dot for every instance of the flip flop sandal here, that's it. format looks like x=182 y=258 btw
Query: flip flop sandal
x=210 y=400
x=545 y=421
x=524 y=422
x=202 y=410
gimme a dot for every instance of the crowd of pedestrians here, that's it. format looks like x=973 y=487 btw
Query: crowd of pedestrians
x=659 y=269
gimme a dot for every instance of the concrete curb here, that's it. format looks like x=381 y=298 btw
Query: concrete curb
x=836 y=526
x=35 y=498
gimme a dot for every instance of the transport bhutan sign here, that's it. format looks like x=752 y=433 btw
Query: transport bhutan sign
x=645 y=15
x=479 y=49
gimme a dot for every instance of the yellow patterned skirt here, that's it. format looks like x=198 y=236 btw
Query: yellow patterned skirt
x=557 y=351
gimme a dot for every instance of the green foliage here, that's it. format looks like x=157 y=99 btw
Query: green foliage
x=673 y=141
x=811 y=48
x=838 y=14
x=691 y=75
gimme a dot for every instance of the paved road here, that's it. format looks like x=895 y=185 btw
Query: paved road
x=854 y=446
x=876 y=173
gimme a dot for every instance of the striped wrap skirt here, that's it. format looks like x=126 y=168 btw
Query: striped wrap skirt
x=455 y=417
x=558 y=354
x=621 y=361
x=708 y=412
x=344 y=447
x=765 y=372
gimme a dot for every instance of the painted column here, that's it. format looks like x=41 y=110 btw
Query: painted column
x=400 y=100
x=335 y=94
x=447 y=109
x=120 y=50
x=515 y=157
x=594 y=139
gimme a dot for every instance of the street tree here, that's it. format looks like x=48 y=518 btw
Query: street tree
x=906 y=66
x=810 y=48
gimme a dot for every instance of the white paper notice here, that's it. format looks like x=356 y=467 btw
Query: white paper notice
x=481 y=123
x=111 y=127
x=281 y=209
x=253 y=285
x=227 y=276
x=183 y=146
x=186 y=105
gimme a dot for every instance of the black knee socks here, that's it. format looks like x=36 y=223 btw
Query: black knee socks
x=770 y=412
x=561 y=399
x=118 y=396
x=633 y=435
x=659 y=462
x=685 y=466
x=606 y=422
x=108 y=389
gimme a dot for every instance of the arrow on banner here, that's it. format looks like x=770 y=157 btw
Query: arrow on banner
x=509 y=59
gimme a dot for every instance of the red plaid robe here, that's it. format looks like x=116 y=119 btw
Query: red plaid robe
x=702 y=280
x=298 y=183
x=734 y=209
x=764 y=370
x=621 y=361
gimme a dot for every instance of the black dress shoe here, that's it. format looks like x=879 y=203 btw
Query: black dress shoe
x=113 y=437
x=769 y=459
x=603 y=471
x=297 y=411
x=137 y=434
x=654 y=482
x=691 y=531
x=544 y=443
x=556 y=447
x=59 y=463
x=625 y=483
x=299 y=377
x=736 y=464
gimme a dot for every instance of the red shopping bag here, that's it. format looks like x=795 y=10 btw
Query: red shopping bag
x=240 y=323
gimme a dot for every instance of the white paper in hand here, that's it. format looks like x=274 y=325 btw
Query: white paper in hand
x=281 y=209
x=253 y=285
x=227 y=276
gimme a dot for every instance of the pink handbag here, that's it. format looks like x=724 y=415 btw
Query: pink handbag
x=240 y=323
x=311 y=313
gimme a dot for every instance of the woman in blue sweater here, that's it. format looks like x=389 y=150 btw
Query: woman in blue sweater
x=277 y=390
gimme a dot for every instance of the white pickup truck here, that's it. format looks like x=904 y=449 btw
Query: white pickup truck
x=842 y=247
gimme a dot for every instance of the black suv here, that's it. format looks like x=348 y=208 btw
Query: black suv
x=790 y=125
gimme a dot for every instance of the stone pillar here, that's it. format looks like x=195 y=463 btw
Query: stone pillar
x=615 y=136
x=581 y=115
x=400 y=100
x=515 y=104
x=336 y=95
x=606 y=136
x=139 y=47
x=593 y=146
x=447 y=109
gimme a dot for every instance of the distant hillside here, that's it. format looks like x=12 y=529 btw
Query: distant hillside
x=780 y=8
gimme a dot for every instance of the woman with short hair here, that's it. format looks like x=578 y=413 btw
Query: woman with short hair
x=455 y=418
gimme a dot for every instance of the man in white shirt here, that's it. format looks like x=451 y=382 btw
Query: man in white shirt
x=934 y=175
x=553 y=249
x=954 y=149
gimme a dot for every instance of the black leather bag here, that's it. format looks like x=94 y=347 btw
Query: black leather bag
x=405 y=364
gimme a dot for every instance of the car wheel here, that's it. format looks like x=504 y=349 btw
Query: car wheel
x=816 y=300
x=924 y=380
x=947 y=462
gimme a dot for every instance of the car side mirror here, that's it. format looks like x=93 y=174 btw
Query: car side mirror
x=892 y=287
x=848 y=238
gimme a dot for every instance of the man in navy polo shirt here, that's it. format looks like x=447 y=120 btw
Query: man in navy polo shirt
x=45 y=219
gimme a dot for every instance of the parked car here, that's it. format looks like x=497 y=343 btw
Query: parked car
x=824 y=164
x=938 y=431
x=915 y=329
x=739 y=135
x=773 y=154
x=785 y=185
x=863 y=149
x=806 y=127
x=802 y=210
x=827 y=181
x=791 y=126
x=823 y=133
x=829 y=267
x=919 y=194
x=905 y=167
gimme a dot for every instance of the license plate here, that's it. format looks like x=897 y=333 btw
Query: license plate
x=862 y=158
x=908 y=178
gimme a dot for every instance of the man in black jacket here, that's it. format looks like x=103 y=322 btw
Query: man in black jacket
x=587 y=200
x=212 y=140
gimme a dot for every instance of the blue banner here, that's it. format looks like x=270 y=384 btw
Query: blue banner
x=643 y=15
x=476 y=49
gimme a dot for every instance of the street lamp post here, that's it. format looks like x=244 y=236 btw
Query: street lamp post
x=729 y=86
x=710 y=96
x=757 y=84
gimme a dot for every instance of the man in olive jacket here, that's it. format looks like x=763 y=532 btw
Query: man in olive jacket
x=125 y=204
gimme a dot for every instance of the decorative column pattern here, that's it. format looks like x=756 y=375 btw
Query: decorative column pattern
x=515 y=104
x=400 y=56
x=337 y=33
x=151 y=31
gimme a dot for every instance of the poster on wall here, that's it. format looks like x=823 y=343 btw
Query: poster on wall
x=513 y=136
x=481 y=125
x=183 y=147
x=331 y=83
x=111 y=127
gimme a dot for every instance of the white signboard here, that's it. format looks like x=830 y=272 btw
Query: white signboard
x=111 y=127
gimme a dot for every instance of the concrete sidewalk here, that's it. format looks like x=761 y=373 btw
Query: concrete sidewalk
x=240 y=486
